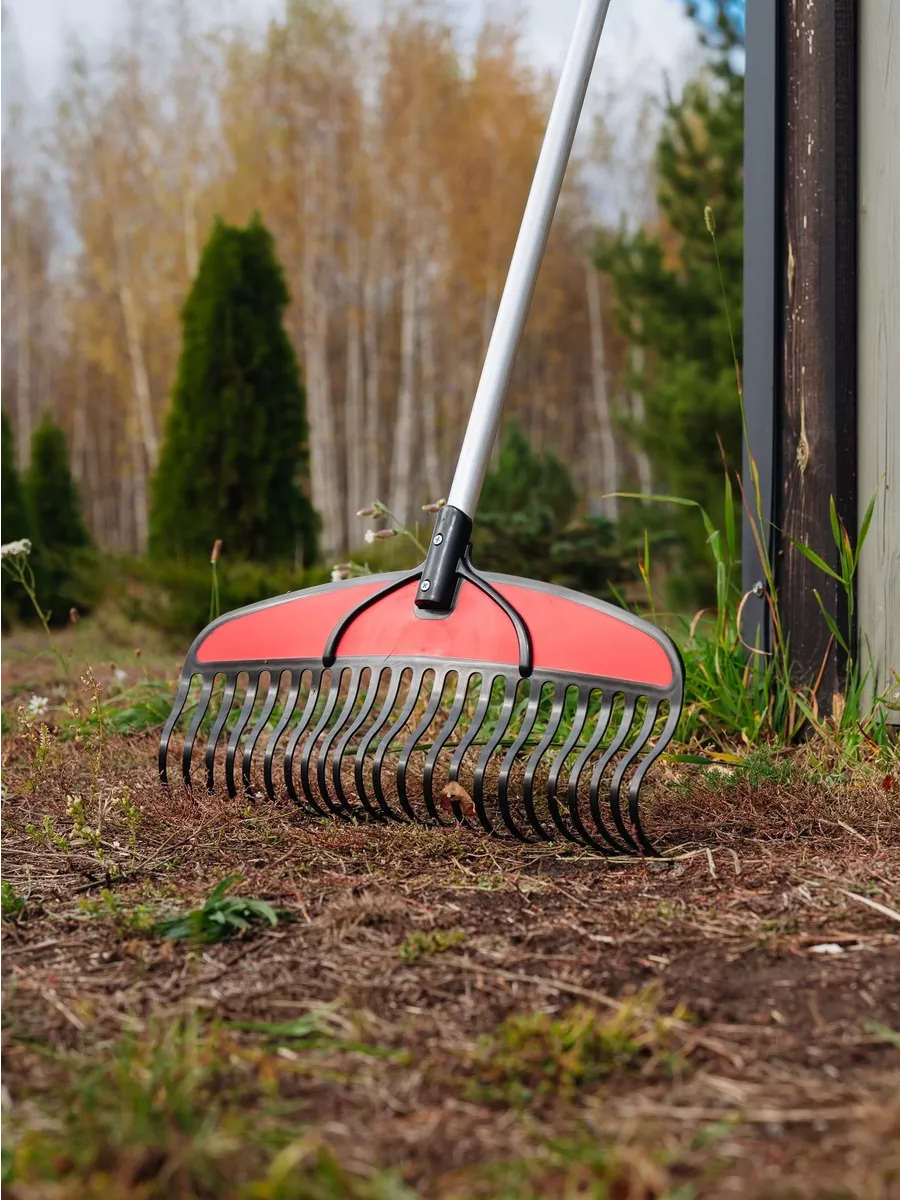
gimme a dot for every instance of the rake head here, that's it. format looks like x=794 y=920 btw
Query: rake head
x=528 y=711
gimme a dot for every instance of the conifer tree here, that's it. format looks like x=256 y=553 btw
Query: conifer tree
x=15 y=522
x=528 y=522
x=53 y=500
x=14 y=516
x=523 y=480
x=669 y=297
x=234 y=464
x=65 y=559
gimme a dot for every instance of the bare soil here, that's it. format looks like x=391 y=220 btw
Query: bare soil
x=781 y=1077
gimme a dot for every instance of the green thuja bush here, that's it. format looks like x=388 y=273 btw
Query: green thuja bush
x=15 y=523
x=529 y=523
x=234 y=463
x=173 y=595
x=65 y=559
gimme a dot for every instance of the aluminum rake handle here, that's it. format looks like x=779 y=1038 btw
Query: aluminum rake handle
x=526 y=260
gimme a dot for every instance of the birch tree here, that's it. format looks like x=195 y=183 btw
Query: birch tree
x=392 y=169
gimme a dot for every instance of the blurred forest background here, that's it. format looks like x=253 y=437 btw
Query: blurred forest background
x=367 y=180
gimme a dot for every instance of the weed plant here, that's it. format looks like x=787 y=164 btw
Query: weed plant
x=221 y=917
x=740 y=695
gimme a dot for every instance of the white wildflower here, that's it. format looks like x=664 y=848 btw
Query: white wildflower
x=117 y=846
x=120 y=675
x=370 y=536
x=336 y=575
x=37 y=706
x=15 y=549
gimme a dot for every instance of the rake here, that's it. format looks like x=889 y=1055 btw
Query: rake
x=446 y=695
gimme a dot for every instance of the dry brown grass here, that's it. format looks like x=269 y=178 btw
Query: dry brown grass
x=783 y=1082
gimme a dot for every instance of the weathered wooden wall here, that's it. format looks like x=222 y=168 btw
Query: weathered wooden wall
x=879 y=330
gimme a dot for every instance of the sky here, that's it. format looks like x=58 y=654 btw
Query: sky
x=643 y=40
x=646 y=46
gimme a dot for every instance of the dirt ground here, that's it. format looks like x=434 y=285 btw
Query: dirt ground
x=438 y=1014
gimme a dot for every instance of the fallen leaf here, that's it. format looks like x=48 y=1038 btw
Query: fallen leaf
x=887 y=783
x=455 y=792
x=166 y=950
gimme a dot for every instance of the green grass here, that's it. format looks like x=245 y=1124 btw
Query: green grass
x=127 y=918
x=426 y=945
x=536 y=1056
x=186 y=1110
x=584 y=1165
x=762 y=769
x=182 y=1111
x=136 y=709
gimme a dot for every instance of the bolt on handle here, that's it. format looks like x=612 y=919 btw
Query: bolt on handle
x=449 y=540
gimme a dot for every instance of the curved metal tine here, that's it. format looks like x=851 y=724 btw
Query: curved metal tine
x=359 y=759
x=278 y=731
x=412 y=699
x=556 y=712
x=250 y=745
x=459 y=703
x=438 y=685
x=341 y=807
x=509 y=699
x=362 y=716
x=528 y=723
x=338 y=675
x=603 y=719
x=481 y=709
x=196 y=721
x=315 y=690
x=216 y=732
x=184 y=687
x=559 y=761
x=237 y=733
x=600 y=769
x=616 y=785
x=637 y=778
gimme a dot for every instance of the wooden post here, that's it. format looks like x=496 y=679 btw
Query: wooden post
x=816 y=446
x=879 y=336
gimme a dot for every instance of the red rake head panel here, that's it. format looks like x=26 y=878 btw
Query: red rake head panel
x=571 y=634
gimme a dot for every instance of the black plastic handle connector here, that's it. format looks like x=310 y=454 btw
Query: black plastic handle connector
x=440 y=571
